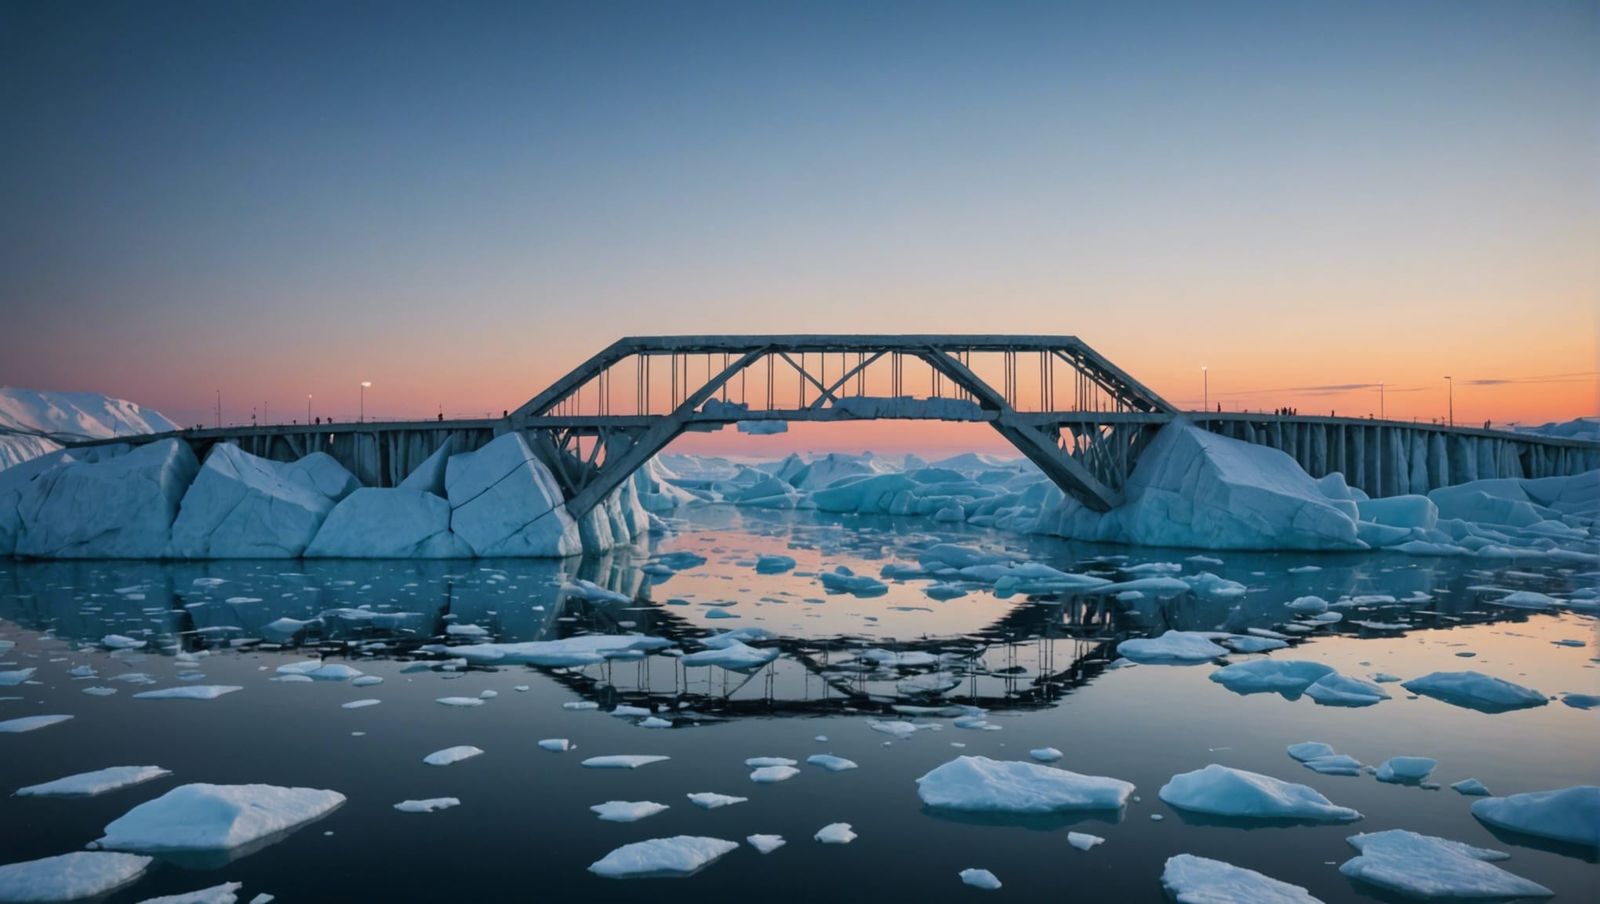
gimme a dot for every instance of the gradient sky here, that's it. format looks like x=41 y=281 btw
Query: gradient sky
x=459 y=202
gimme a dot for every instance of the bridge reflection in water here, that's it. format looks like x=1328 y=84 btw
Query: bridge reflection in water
x=1020 y=653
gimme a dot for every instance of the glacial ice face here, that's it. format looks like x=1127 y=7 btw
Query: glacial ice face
x=504 y=502
x=241 y=506
x=115 y=502
x=979 y=784
x=1224 y=791
x=78 y=415
x=204 y=817
x=398 y=523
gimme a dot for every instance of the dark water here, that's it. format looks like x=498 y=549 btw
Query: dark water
x=524 y=830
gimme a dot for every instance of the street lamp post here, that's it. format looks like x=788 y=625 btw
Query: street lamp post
x=1450 y=391
x=365 y=385
x=1380 y=401
x=1205 y=388
x=308 y=408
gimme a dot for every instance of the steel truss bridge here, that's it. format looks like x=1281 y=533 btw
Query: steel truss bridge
x=1077 y=416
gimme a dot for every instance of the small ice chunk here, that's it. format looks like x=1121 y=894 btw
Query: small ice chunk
x=70 y=877
x=1425 y=866
x=1045 y=754
x=979 y=784
x=766 y=844
x=460 y=701
x=835 y=833
x=361 y=704
x=710 y=800
x=771 y=775
x=29 y=723
x=1083 y=840
x=679 y=855
x=1224 y=791
x=1289 y=677
x=205 y=817
x=1334 y=764
x=654 y=722
x=1173 y=647
x=627 y=810
x=621 y=761
x=1471 y=787
x=980 y=878
x=1335 y=689
x=427 y=806
x=121 y=642
x=99 y=691
x=757 y=762
x=226 y=893
x=366 y=681
x=14 y=678
x=1309 y=750
x=451 y=755
x=555 y=745
x=1567 y=814
x=89 y=784
x=1475 y=690
x=830 y=762
x=189 y=692
x=1201 y=880
x=1402 y=770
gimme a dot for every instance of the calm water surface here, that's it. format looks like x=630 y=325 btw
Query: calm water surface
x=1042 y=667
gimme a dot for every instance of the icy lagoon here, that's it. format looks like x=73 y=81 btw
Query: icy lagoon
x=900 y=680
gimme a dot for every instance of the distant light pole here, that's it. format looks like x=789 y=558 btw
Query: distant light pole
x=308 y=407
x=266 y=414
x=365 y=385
x=1450 y=390
x=219 y=409
x=1205 y=388
x=1380 y=401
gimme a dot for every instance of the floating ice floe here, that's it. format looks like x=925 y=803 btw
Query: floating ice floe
x=830 y=762
x=835 y=833
x=1289 y=677
x=766 y=844
x=627 y=810
x=1425 y=866
x=1200 y=880
x=843 y=580
x=1568 y=814
x=980 y=878
x=1224 y=791
x=979 y=784
x=588 y=649
x=1308 y=605
x=735 y=656
x=122 y=642
x=1581 y=701
x=452 y=755
x=1045 y=754
x=1309 y=750
x=555 y=745
x=710 y=800
x=1173 y=647
x=226 y=893
x=1334 y=764
x=317 y=670
x=189 y=692
x=205 y=817
x=679 y=855
x=621 y=761
x=1475 y=690
x=1405 y=770
x=361 y=704
x=89 y=784
x=70 y=877
x=773 y=564
x=428 y=805
x=1335 y=689
x=1471 y=787
x=460 y=701
x=30 y=723
x=1083 y=840
x=14 y=678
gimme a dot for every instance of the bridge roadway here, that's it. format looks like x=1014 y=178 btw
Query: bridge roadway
x=1070 y=411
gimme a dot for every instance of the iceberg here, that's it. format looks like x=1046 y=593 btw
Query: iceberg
x=427 y=806
x=205 y=817
x=711 y=800
x=244 y=507
x=1569 y=814
x=766 y=844
x=1224 y=791
x=1334 y=764
x=627 y=810
x=1335 y=689
x=1403 y=770
x=1177 y=647
x=1045 y=754
x=505 y=502
x=89 y=784
x=1425 y=866
x=622 y=761
x=679 y=855
x=451 y=755
x=979 y=784
x=830 y=762
x=1083 y=840
x=1471 y=787
x=1475 y=690
x=980 y=878
x=1289 y=677
x=70 y=877
x=835 y=833
x=1200 y=880
x=770 y=775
